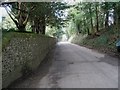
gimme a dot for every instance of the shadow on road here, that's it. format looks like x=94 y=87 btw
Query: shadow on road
x=110 y=60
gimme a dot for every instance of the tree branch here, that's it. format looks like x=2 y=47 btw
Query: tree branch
x=13 y=14
x=11 y=17
x=25 y=22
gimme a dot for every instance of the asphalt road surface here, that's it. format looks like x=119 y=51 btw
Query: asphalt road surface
x=73 y=66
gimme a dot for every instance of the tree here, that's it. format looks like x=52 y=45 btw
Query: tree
x=47 y=13
x=40 y=14
x=97 y=21
x=90 y=11
x=91 y=18
x=19 y=13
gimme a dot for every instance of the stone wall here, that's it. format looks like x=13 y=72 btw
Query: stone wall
x=23 y=54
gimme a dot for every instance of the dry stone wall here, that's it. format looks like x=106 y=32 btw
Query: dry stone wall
x=24 y=54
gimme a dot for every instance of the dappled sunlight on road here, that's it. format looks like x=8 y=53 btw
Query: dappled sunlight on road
x=63 y=43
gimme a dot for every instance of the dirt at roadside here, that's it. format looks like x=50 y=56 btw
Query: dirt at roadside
x=111 y=52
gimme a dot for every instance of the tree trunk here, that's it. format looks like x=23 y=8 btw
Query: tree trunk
x=118 y=14
x=33 y=26
x=97 y=22
x=87 y=28
x=107 y=19
x=116 y=17
x=88 y=31
x=36 y=25
x=78 y=28
x=23 y=17
x=22 y=28
x=91 y=21
x=37 y=28
x=43 y=25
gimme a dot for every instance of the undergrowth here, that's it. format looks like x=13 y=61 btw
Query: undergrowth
x=106 y=41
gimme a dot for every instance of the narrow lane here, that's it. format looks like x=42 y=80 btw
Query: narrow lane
x=73 y=66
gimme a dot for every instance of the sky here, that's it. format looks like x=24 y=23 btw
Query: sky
x=2 y=13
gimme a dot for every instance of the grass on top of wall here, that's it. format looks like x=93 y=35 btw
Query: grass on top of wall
x=8 y=35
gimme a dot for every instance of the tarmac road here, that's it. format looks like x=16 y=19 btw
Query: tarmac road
x=73 y=66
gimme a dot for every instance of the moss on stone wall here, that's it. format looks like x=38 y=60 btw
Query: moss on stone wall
x=23 y=52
